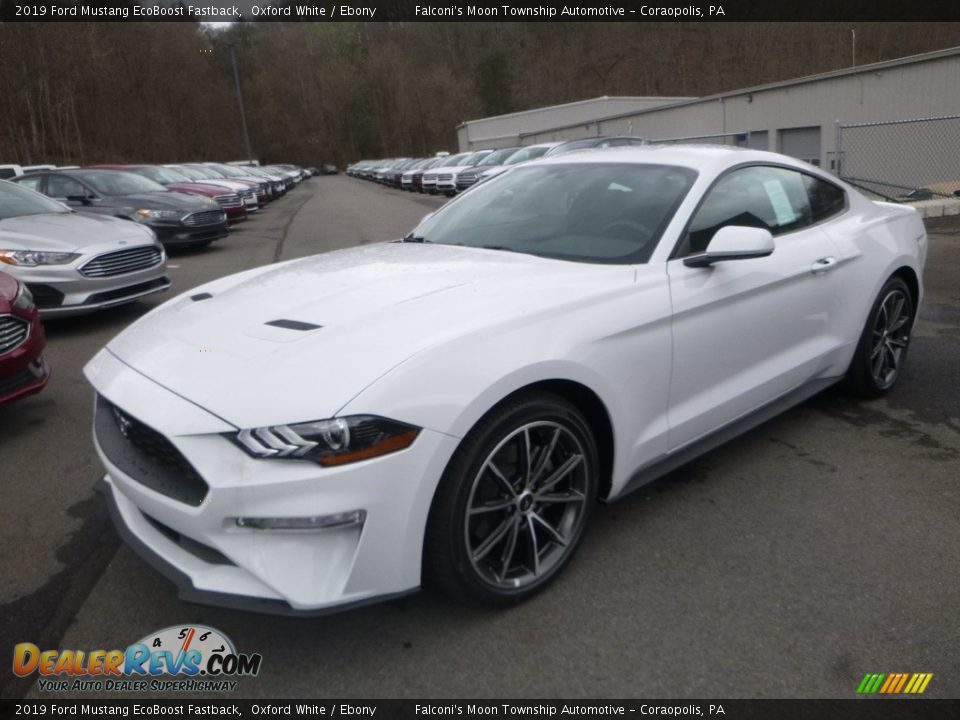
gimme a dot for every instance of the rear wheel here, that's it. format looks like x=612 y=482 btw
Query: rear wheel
x=882 y=350
x=513 y=504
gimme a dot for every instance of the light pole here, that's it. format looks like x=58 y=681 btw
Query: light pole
x=243 y=114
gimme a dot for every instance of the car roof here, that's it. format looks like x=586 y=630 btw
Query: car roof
x=698 y=157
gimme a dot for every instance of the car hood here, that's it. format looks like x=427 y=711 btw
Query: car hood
x=230 y=184
x=211 y=190
x=165 y=201
x=68 y=232
x=297 y=341
x=447 y=169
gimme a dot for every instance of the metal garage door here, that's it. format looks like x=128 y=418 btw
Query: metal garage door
x=801 y=143
x=756 y=140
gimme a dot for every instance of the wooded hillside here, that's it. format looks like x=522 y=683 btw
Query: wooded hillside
x=79 y=93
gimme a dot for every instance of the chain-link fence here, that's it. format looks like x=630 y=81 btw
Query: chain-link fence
x=902 y=160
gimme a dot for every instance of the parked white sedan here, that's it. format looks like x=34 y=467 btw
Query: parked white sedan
x=448 y=408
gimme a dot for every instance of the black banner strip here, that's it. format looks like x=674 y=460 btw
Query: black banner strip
x=873 y=708
x=477 y=11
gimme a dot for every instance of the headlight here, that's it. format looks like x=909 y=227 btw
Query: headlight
x=24 y=299
x=32 y=258
x=143 y=215
x=329 y=442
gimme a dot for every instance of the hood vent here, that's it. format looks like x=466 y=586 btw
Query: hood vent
x=294 y=325
x=201 y=296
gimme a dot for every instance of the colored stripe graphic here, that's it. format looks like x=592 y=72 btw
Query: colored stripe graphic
x=870 y=683
x=894 y=683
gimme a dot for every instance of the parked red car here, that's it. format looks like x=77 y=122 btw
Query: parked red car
x=22 y=368
x=228 y=199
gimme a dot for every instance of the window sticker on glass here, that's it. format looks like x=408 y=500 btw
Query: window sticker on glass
x=780 y=202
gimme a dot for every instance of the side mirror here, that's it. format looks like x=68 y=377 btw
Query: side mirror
x=733 y=243
x=82 y=199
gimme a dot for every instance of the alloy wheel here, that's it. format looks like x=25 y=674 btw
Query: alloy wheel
x=527 y=505
x=890 y=337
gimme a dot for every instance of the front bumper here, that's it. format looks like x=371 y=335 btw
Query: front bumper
x=22 y=369
x=182 y=235
x=235 y=213
x=61 y=290
x=215 y=561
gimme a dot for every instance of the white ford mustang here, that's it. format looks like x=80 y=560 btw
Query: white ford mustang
x=331 y=430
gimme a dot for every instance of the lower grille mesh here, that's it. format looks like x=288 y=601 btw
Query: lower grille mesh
x=146 y=455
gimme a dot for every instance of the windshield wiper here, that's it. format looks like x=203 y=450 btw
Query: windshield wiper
x=499 y=247
x=415 y=238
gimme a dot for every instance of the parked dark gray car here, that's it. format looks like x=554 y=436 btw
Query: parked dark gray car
x=177 y=219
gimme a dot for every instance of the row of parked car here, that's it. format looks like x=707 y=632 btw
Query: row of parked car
x=75 y=240
x=449 y=174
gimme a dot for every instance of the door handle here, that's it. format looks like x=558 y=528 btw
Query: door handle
x=823 y=265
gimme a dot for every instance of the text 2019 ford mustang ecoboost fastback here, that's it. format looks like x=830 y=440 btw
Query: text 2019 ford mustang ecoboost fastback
x=448 y=408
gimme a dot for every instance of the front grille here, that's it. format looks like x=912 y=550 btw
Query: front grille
x=145 y=455
x=122 y=262
x=204 y=217
x=128 y=291
x=13 y=332
x=444 y=177
x=431 y=178
x=227 y=200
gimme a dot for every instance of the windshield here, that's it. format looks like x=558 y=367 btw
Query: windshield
x=571 y=146
x=162 y=175
x=228 y=171
x=115 y=182
x=598 y=213
x=453 y=161
x=207 y=173
x=497 y=157
x=475 y=158
x=16 y=201
x=528 y=153
x=190 y=173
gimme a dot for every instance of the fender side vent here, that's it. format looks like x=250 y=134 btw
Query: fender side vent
x=294 y=325
x=201 y=296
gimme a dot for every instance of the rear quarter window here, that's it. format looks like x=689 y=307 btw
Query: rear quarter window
x=826 y=199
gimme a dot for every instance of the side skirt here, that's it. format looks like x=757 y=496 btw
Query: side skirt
x=693 y=450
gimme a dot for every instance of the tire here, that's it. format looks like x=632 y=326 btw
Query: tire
x=882 y=350
x=488 y=520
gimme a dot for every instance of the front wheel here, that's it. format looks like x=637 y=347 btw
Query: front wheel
x=513 y=504
x=878 y=361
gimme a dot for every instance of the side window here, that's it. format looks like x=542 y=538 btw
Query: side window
x=31 y=181
x=826 y=199
x=61 y=186
x=757 y=196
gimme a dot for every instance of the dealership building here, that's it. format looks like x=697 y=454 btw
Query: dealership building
x=895 y=122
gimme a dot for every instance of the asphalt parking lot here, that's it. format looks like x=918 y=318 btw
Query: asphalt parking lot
x=789 y=563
